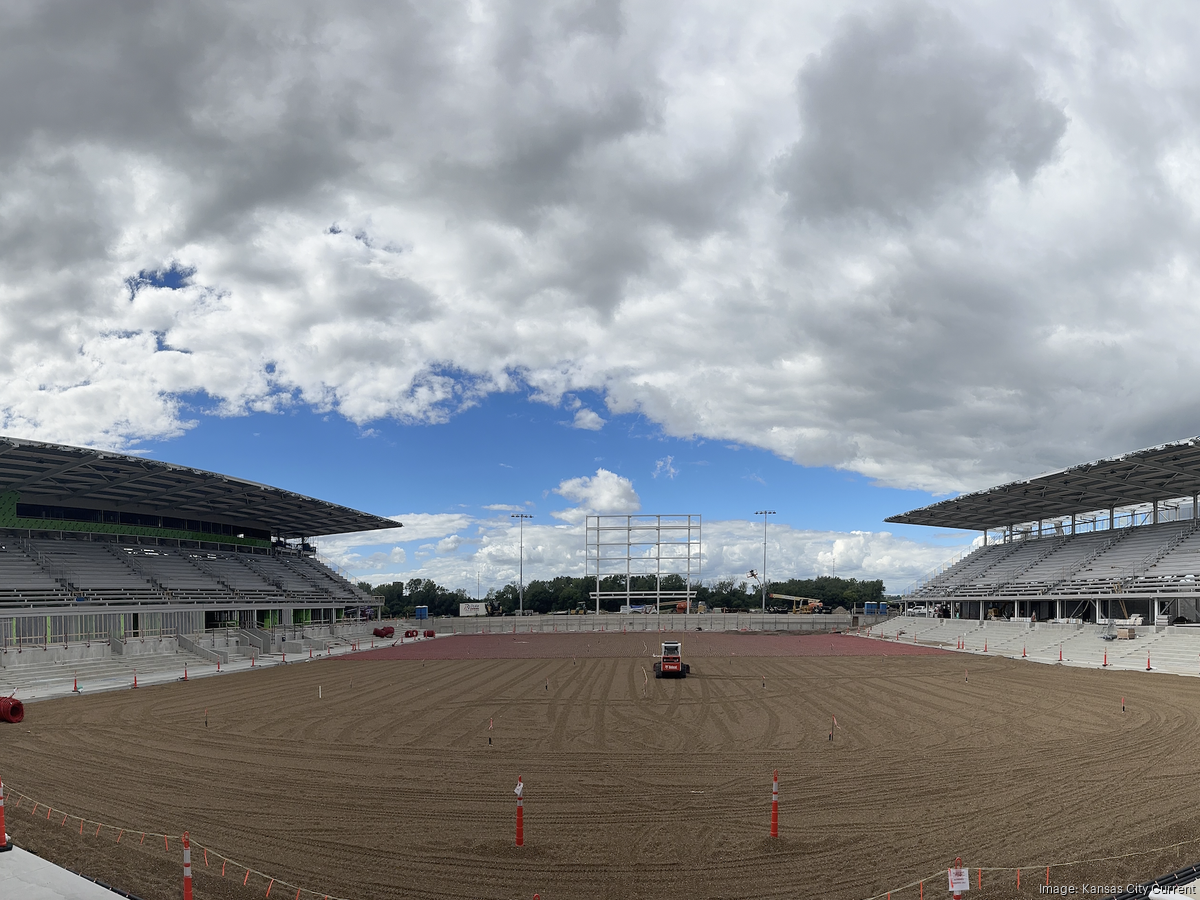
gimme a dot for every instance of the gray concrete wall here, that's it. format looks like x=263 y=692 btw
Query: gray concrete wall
x=12 y=658
x=615 y=622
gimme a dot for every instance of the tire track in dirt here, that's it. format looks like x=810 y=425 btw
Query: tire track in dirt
x=1019 y=765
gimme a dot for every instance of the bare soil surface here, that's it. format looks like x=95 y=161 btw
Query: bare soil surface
x=641 y=645
x=387 y=787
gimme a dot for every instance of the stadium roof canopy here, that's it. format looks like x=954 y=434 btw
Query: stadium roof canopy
x=65 y=476
x=1143 y=476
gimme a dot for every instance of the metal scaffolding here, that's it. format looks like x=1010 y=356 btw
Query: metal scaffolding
x=645 y=545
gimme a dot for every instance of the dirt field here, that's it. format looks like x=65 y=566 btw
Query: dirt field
x=635 y=788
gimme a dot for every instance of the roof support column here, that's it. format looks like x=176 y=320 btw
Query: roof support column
x=1039 y=527
x=1112 y=521
x=985 y=537
x=1154 y=515
x=1194 y=498
x=1072 y=523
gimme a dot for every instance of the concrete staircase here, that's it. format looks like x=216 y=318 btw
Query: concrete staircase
x=1174 y=649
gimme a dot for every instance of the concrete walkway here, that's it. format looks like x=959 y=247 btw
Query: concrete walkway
x=1173 y=650
x=30 y=877
x=34 y=683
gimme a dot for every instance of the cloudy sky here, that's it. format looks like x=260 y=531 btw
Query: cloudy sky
x=443 y=261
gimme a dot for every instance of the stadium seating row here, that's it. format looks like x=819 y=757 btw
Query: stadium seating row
x=39 y=570
x=1149 y=559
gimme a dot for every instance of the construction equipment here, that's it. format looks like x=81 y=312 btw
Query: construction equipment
x=671 y=664
x=800 y=604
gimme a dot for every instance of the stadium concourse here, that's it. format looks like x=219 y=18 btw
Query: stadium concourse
x=110 y=562
x=1096 y=564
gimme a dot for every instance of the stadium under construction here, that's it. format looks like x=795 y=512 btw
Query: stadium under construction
x=96 y=545
x=1114 y=540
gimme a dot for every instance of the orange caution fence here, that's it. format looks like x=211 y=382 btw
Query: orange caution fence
x=1014 y=872
x=211 y=856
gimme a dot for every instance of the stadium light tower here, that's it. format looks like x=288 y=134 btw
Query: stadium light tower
x=764 y=513
x=521 y=591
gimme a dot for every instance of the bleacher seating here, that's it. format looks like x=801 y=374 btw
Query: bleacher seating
x=963 y=571
x=325 y=579
x=280 y=575
x=94 y=571
x=1125 y=561
x=1149 y=559
x=1057 y=567
x=21 y=578
x=62 y=570
x=176 y=574
x=226 y=569
x=1026 y=554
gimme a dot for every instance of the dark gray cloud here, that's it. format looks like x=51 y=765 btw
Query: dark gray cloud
x=906 y=106
x=939 y=246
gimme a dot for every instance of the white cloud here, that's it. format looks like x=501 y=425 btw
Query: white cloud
x=681 y=208
x=450 y=544
x=604 y=492
x=663 y=467
x=730 y=549
x=587 y=420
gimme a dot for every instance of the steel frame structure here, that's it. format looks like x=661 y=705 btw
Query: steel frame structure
x=658 y=545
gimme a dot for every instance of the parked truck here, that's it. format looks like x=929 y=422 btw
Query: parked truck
x=671 y=664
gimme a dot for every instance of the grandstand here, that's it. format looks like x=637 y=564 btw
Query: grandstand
x=1106 y=541
x=104 y=546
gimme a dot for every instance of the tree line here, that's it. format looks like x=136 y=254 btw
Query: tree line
x=565 y=594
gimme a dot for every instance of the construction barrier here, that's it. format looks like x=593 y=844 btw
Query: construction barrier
x=86 y=824
x=916 y=887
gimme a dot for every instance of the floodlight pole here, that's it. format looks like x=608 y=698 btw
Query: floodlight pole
x=521 y=589
x=764 y=513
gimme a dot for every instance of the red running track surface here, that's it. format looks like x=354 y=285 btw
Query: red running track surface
x=639 y=644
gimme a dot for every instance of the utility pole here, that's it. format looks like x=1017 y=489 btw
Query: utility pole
x=764 y=513
x=521 y=589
